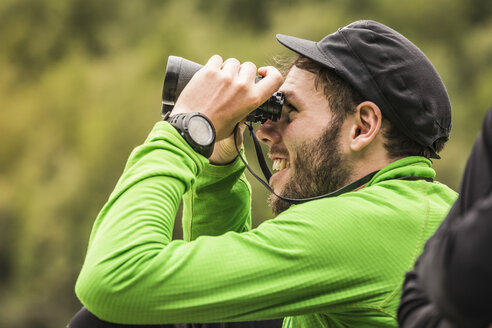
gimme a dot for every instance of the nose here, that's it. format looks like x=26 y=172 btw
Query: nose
x=268 y=133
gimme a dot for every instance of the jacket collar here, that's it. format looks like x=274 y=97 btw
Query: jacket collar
x=412 y=166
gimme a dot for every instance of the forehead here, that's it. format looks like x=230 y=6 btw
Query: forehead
x=298 y=79
x=299 y=87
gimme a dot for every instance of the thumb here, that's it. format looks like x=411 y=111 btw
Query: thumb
x=271 y=82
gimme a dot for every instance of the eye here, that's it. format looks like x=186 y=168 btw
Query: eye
x=289 y=111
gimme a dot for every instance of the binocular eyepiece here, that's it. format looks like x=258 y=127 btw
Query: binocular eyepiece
x=179 y=72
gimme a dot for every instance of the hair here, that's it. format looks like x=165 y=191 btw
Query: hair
x=399 y=145
x=343 y=100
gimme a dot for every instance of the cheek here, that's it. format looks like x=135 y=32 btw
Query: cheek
x=294 y=135
x=297 y=141
x=292 y=143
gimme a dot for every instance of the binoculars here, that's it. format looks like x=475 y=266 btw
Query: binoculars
x=179 y=72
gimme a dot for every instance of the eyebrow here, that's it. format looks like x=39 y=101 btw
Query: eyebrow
x=290 y=96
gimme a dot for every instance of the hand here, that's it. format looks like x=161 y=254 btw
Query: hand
x=226 y=92
x=225 y=150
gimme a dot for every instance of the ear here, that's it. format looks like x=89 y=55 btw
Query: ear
x=366 y=125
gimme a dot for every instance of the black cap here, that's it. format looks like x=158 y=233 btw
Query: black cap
x=389 y=70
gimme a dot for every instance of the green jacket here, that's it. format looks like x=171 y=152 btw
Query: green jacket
x=333 y=262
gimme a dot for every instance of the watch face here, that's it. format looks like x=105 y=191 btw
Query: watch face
x=200 y=130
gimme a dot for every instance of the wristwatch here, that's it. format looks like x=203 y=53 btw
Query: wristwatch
x=196 y=129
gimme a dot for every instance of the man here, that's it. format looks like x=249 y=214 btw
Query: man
x=450 y=285
x=362 y=100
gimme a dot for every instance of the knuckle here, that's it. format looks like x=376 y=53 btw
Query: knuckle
x=210 y=73
x=232 y=61
x=250 y=64
x=278 y=77
x=227 y=79
x=241 y=85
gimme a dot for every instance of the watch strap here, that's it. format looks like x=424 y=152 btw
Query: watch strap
x=180 y=121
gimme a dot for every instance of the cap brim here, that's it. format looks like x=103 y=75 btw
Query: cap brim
x=306 y=48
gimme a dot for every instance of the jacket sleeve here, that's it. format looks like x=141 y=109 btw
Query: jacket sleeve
x=218 y=202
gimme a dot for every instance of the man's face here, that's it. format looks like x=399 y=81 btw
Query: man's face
x=305 y=144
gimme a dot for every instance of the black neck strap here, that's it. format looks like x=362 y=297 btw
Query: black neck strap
x=412 y=178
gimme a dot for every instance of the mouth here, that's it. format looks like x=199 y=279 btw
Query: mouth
x=280 y=163
x=280 y=168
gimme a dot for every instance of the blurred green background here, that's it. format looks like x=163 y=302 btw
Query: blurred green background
x=80 y=86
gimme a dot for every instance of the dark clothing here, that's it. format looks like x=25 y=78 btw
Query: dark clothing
x=451 y=283
x=85 y=319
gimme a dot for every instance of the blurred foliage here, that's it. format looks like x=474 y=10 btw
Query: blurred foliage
x=80 y=87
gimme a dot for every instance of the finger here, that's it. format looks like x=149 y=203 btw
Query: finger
x=264 y=70
x=271 y=82
x=231 y=66
x=214 y=62
x=247 y=71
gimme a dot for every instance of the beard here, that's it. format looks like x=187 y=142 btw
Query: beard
x=318 y=168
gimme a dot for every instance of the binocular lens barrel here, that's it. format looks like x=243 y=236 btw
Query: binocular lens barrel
x=179 y=72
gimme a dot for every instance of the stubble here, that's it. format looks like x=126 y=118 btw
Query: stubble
x=318 y=168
